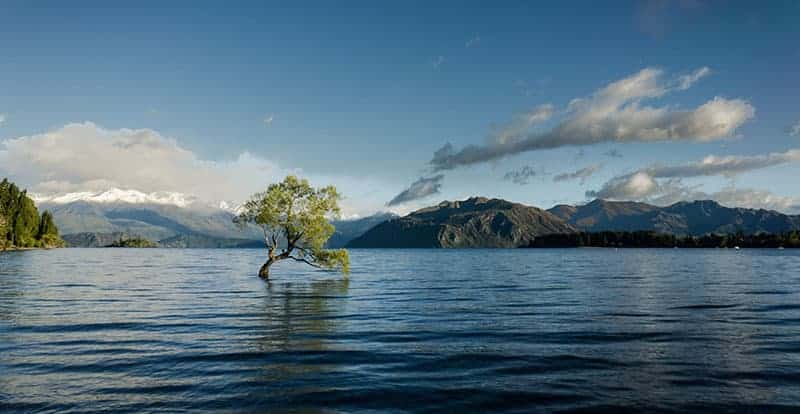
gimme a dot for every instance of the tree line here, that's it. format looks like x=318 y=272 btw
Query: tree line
x=653 y=239
x=21 y=225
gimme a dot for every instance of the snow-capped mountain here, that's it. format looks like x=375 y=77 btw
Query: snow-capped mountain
x=171 y=219
x=116 y=195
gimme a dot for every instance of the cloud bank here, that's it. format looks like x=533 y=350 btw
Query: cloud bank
x=87 y=157
x=421 y=188
x=615 y=113
x=662 y=184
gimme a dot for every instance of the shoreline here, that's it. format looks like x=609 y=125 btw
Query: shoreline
x=22 y=249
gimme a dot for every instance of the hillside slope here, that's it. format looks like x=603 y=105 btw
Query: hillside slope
x=475 y=222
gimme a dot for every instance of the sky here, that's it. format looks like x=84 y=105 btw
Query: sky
x=404 y=105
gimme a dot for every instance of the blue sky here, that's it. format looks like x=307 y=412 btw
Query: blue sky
x=362 y=94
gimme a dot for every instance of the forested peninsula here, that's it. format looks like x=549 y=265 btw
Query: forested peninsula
x=21 y=226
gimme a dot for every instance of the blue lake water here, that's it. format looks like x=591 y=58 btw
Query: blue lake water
x=155 y=330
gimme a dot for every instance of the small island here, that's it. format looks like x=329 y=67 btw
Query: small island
x=133 y=243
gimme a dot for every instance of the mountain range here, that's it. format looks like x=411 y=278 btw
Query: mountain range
x=481 y=222
x=99 y=219
x=693 y=218
x=169 y=219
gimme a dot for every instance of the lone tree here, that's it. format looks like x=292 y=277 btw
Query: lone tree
x=294 y=218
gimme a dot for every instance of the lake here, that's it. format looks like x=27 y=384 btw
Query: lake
x=155 y=330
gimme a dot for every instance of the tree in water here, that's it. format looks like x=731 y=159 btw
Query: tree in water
x=294 y=218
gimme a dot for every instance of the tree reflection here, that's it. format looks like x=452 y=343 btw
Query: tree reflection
x=300 y=323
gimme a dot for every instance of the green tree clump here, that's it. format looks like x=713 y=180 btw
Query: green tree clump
x=20 y=223
x=134 y=243
x=295 y=220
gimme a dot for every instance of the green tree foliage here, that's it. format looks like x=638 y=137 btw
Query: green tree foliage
x=3 y=229
x=653 y=239
x=134 y=243
x=295 y=220
x=20 y=223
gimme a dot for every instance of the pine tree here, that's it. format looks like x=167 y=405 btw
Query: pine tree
x=20 y=223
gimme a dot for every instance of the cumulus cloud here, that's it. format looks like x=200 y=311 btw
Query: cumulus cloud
x=642 y=184
x=472 y=42
x=751 y=198
x=582 y=174
x=523 y=175
x=662 y=184
x=634 y=186
x=615 y=113
x=268 y=118
x=424 y=187
x=2 y=119
x=82 y=157
x=86 y=157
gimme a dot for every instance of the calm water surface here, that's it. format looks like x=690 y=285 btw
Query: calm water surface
x=85 y=330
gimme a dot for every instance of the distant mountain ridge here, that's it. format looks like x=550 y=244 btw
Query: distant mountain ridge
x=100 y=223
x=694 y=218
x=475 y=222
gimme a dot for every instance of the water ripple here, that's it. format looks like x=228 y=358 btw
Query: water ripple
x=586 y=330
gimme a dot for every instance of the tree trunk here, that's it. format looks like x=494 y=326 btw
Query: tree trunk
x=264 y=272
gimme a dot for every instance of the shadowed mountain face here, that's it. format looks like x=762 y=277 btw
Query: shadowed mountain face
x=476 y=222
x=684 y=218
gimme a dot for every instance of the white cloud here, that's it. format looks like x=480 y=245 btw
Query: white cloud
x=582 y=174
x=751 y=198
x=635 y=186
x=726 y=166
x=437 y=62
x=268 y=118
x=521 y=123
x=424 y=187
x=614 y=113
x=2 y=119
x=686 y=81
x=84 y=157
x=663 y=184
x=794 y=130
x=475 y=41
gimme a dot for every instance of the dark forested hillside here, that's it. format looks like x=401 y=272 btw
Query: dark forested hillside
x=20 y=223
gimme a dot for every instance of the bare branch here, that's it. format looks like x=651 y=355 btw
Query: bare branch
x=306 y=262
